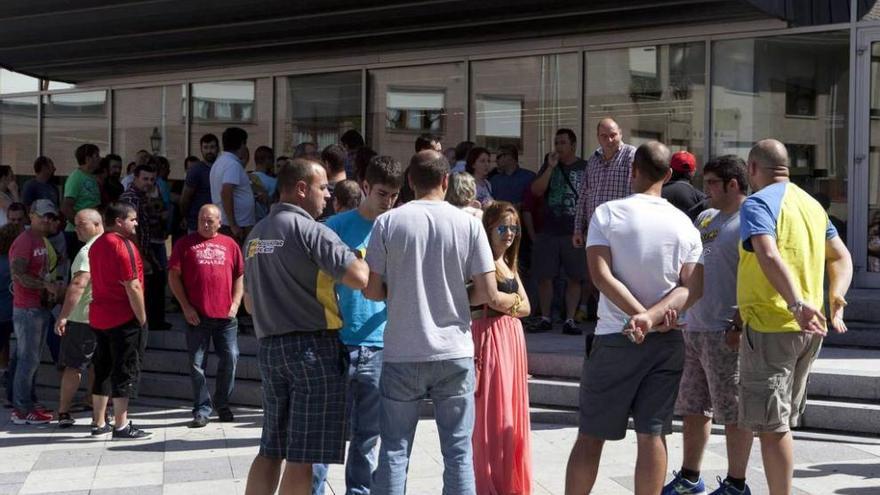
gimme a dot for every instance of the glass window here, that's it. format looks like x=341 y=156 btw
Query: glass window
x=523 y=101
x=243 y=103
x=408 y=101
x=18 y=133
x=150 y=119
x=316 y=108
x=794 y=89
x=13 y=82
x=72 y=119
x=652 y=92
x=873 y=264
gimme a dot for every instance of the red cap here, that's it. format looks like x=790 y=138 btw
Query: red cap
x=683 y=162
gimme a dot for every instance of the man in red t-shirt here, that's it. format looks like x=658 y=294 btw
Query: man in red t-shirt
x=31 y=258
x=118 y=317
x=206 y=275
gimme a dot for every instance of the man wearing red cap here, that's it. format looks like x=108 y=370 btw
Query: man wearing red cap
x=679 y=190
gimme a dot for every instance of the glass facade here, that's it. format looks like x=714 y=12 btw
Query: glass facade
x=19 y=127
x=72 y=119
x=151 y=119
x=408 y=101
x=792 y=88
x=316 y=108
x=523 y=101
x=873 y=262
x=652 y=92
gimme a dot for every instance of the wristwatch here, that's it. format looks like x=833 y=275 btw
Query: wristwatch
x=796 y=307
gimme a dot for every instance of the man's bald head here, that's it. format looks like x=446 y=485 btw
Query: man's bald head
x=89 y=215
x=88 y=224
x=607 y=123
x=209 y=207
x=427 y=169
x=652 y=161
x=770 y=154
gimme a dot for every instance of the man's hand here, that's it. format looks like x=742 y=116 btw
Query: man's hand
x=810 y=319
x=552 y=160
x=836 y=307
x=61 y=327
x=233 y=311
x=577 y=240
x=638 y=327
x=191 y=316
x=732 y=336
x=237 y=232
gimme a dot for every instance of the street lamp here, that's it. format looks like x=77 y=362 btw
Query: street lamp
x=155 y=141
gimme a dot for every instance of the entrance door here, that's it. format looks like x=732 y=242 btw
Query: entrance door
x=866 y=157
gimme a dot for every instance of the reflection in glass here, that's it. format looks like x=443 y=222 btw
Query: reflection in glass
x=13 y=82
x=72 y=119
x=522 y=101
x=407 y=101
x=795 y=89
x=18 y=133
x=874 y=165
x=652 y=92
x=220 y=104
x=316 y=108
x=138 y=112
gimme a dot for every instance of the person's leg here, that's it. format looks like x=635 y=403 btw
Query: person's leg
x=574 y=264
x=401 y=395
x=650 y=464
x=102 y=363
x=452 y=390
x=70 y=379
x=545 y=296
x=296 y=479
x=77 y=351
x=263 y=476
x=198 y=338
x=695 y=436
x=583 y=465
x=777 y=450
x=739 y=446
x=319 y=478
x=226 y=346
x=29 y=337
x=572 y=297
x=364 y=368
x=694 y=404
x=125 y=344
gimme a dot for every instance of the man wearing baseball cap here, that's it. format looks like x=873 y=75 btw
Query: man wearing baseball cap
x=679 y=190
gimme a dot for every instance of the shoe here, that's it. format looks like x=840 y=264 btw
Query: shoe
x=727 y=489
x=98 y=431
x=570 y=328
x=681 y=486
x=32 y=418
x=130 y=433
x=65 y=420
x=198 y=422
x=161 y=326
x=226 y=416
x=580 y=315
x=41 y=408
x=544 y=326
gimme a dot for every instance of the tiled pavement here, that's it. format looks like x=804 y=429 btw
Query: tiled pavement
x=215 y=460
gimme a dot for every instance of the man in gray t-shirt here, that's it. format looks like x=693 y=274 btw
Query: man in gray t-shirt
x=421 y=255
x=291 y=265
x=708 y=388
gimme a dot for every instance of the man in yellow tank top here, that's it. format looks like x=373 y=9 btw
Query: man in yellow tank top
x=787 y=245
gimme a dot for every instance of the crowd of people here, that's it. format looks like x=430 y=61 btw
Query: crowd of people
x=372 y=286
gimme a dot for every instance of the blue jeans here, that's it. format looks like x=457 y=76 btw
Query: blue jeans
x=363 y=397
x=224 y=333
x=450 y=384
x=30 y=336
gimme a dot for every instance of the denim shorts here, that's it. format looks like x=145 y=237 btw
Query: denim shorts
x=304 y=377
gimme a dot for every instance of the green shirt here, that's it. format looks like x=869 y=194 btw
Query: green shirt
x=83 y=188
x=80 y=313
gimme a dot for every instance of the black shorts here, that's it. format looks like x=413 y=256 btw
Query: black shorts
x=117 y=360
x=78 y=346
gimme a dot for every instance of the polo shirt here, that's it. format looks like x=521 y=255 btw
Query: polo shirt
x=112 y=259
x=511 y=187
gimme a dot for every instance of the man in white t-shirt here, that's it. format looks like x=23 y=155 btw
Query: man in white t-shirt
x=231 y=187
x=429 y=351
x=641 y=251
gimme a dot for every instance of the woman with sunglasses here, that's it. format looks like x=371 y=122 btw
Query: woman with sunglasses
x=502 y=460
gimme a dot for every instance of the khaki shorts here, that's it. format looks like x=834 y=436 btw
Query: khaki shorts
x=774 y=369
x=708 y=382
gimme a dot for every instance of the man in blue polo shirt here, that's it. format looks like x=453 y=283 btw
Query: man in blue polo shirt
x=511 y=181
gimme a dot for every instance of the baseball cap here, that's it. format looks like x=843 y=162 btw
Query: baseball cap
x=683 y=162
x=44 y=207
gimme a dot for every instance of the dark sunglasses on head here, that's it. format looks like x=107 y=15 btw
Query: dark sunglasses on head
x=503 y=229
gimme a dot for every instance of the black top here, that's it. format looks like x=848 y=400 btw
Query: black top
x=508 y=286
x=685 y=197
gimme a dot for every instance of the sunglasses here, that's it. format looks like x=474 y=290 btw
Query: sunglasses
x=503 y=229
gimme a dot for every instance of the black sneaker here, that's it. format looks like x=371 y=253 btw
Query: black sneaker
x=198 y=422
x=226 y=416
x=98 y=431
x=130 y=433
x=544 y=326
x=570 y=328
x=65 y=421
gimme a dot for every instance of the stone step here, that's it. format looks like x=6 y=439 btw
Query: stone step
x=862 y=306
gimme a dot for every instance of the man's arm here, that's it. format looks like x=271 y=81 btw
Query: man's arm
x=135 y=293
x=539 y=185
x=175 y=282
x=356 y=275
x=599 y=263
x=838 y=262
x=228 y=204
x=237 y=293
x=20 y=273
x=248 y=303
x=375 y=289
x=810 y=319
x=71 y=298
x=186 y=197
x=67 y=208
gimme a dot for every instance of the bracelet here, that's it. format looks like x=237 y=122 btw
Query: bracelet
x=517 y=302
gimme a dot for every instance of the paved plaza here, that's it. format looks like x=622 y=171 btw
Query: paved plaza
x=214 y=460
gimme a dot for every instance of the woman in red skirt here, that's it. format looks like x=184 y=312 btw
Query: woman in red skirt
x=502 y=460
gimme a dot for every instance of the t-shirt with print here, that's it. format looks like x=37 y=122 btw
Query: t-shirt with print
x=650 y=241
x=112 y=260
x=198 y=178
x=719 y=233
x=227 y=169
x=80 y=313
x=561 y=197
x=35 y=251
x=363 y=319
x=209 y=268
x=800 y=226
x=292 y=263
x=83 y=188
x=427 y=251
